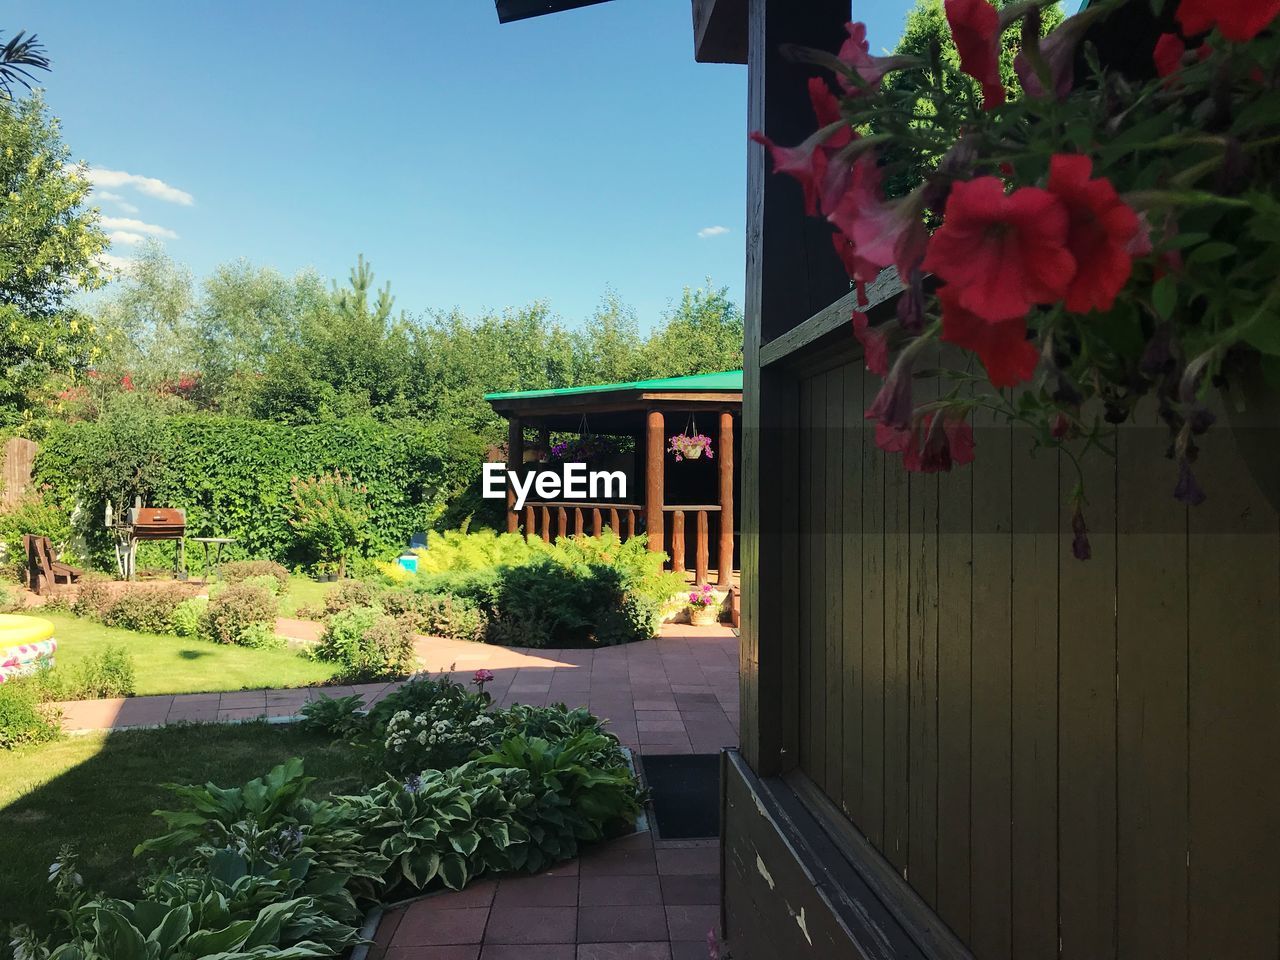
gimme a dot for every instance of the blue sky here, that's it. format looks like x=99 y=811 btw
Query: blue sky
x=475 y=165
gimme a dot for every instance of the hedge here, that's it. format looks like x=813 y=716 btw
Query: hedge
x=232 y=476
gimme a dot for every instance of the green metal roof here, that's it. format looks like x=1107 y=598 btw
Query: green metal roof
x=728 y=381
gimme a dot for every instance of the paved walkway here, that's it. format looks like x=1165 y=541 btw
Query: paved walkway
x=677 y=693
x=634 y=898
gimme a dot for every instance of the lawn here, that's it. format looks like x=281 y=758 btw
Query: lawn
x=303 y=592
x=97 y=793
x=168 y=664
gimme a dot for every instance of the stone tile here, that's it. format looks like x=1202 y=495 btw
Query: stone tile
x=477 y=894
x=657 y=703
x=688 y=922
x=664 y=736
x=689 y=862
x=628 y=857
x=532 y=925
x=621 y=924
x=663 y=749
x=528 y=951
x=425 y=925
x=690 y=950
x=625 y=951
x=619 y=891
x=457 y=952
x=643 y=716
x=541 y=891
x=660 y=726
x=693 y=889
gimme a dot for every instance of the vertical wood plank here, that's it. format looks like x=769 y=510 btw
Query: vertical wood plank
x=562 y=523
x=655 y=446
x=873 y=629
x=530 y=524
x=546 y=524
x=1034 y=748
x=922 y=635
x=807 y=610
x=814 y=689
x=897 y=693
x=1234 y=701
x=578 y=522
x=991 y=891
x=1151 y=625
x=955 y=649
x=1087 y=717
x=852 y=535
x=515 y=461
x=724 y=472
x=614 y=525
x=631 y=523
x=597 y=522
x=832 y=492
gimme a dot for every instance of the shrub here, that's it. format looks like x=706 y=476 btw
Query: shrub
x=23 y=719
x=368 y=643
x=266 y=582
x=339 y=717
x=438 y=614
x=448 y=725
x=38 y=514
x=233 y=611
x=108 y=673
x=146 y=609
x=261 y=636
x=94 y=594
x=347 y=594
x=185 y=619
x=238 y=571
x=330 y=516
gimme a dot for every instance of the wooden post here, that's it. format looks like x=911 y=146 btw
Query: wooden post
x=515 y=460
x=578 y=521
x=724 y=560
x=792 y=273
x=702 y=549
x=613 y=522
x=562 y=523
x=655 y=443
x=597 y=522
x=546 y=524
x=530 y=525
x=677 y=541
x=631 y=522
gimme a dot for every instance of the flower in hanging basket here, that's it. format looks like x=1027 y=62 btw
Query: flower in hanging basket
x=687 y=447
x=583 y=449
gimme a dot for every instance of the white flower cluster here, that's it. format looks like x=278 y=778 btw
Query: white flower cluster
x=437 y=731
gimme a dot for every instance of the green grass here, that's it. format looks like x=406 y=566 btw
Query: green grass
x=302 y=592
x=97 y=793
x=167 y=664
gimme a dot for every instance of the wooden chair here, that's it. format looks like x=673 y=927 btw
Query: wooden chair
x=43 y=570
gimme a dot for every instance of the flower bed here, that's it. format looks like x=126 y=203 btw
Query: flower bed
x=263 y=871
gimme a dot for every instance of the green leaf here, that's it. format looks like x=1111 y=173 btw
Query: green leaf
x=453 y=871
x=1164 y=296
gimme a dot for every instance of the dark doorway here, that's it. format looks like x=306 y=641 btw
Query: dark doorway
x=685 y=794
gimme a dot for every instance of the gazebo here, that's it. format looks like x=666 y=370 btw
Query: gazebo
x=641 y=414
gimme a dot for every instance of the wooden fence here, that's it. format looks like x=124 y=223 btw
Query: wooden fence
x=19 y=457
x=1063 y=758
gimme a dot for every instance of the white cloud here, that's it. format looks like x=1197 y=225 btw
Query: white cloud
x=712 y=232
x=137 y=226
x=118 y=200
x=126 y=237
x=114 y=264
x=148 y=185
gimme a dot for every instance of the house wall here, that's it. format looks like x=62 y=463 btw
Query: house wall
x=1059 y=757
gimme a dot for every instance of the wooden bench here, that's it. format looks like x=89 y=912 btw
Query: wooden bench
x=43 y=569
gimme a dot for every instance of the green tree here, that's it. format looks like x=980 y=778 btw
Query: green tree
x=701 y=334
x=50 y=243
x=147 y=320
x=607 y=349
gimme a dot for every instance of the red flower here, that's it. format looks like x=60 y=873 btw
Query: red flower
x=1238 y=20
x=1002 y=347
x=875 y=346
x=1102 y=232
x=854 y=53
x=1058 y=53
x=938 y=443
x=893 y=439
x=860 y=270
x=808 y=162
x=975 y=28
x=1168 y=54
x=127 y=382
x=1000 y=253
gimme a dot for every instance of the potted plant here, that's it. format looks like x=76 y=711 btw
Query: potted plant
x=1086 y=237
x=704 y=607
x=690 y=447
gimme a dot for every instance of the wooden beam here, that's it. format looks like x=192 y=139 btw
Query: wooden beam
x=515 y=459
x=792 y=274
x=512 y=10
x=655 y=444
x=724 y=559
x=720 y=31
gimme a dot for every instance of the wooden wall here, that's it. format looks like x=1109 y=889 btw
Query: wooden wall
x=1061 y=757
x=19 y=456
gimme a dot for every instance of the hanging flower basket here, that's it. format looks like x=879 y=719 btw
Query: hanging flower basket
x=686 y=447
x=1097 y=235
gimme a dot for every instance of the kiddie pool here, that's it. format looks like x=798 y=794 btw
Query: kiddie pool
x=26 y=645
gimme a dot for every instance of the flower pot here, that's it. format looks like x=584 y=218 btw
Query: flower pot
x=1253 y=410
x=693 y=454
x=704 y=616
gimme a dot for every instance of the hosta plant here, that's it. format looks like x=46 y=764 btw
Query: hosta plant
x=1096 y=234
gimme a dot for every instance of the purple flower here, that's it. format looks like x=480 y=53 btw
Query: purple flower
x=1188 y=490
x=892 y=405
x=1080 y=540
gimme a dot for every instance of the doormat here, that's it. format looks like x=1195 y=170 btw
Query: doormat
x=684 y=792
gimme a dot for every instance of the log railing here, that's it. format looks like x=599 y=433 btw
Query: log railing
x=553 y=519
x=702 y=532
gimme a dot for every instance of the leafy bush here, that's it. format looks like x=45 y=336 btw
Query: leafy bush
x=234 y=610
x=105 y=674
x=340 y=717
x=94 y=593
x=330 y=516
x=23 y=719
x=438 y=614
x=185 y=619
x=261 y=636
x=38 y=514
x=238 y=571
x=368 y=643
x=347 y=594
x=443 y=734
x=145 y=608
x=266 y=582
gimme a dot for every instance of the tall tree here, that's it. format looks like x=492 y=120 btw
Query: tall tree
x=18 y=57
x=700 y=334
x=50 y=244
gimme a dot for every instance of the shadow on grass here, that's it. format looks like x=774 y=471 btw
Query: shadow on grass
x=193 y=654
x=97 y=793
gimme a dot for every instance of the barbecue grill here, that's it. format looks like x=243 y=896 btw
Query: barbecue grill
x=148 y=524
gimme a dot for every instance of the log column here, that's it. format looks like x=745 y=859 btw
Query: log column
x=515 y=462
x=724 y=562
x=653 y=478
